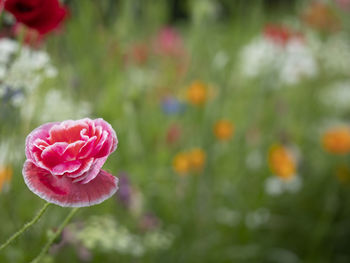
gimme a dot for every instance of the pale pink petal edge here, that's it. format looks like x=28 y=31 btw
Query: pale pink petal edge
x=88 y=202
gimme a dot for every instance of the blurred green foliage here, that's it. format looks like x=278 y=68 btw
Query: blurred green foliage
x=208 y=214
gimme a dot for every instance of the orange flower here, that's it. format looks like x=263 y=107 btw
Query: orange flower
x=191 y=161
x=322 y=17
x=5 y=176
x=181 y=163
x=282 y=162
x=197 y=159
x=337 y=140
x=223 y=130
x=197 y=93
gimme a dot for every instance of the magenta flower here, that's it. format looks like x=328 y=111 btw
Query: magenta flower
x=169 y=43
x=64 y=161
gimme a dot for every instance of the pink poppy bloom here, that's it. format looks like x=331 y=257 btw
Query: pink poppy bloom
x=64 y=161
x=169 y=42
x=169 y=45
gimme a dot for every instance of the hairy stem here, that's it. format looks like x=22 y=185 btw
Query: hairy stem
x=54 y=236
x=25 y=226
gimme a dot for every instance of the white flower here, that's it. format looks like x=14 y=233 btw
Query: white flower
x=8 y=47
x=228 y=216
x=257 y=56
x=337 y=96
x=275 y=185
x=28 y=70
x=58 y=107
x=2 y=71
x=118 y=238
x=158 y=240
x=335 y=55
x=298 y=63
x=220 y=60
x=254 y=160
x=22 y=70
x=291 y=62
x=257 y=218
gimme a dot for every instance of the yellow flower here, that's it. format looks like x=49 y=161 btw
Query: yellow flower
x=282 y=162
x=190 y=161
x=197 y=159
x=181 y=163
x=337 y=140
x=5 y=176
x=223 y=130
x=197 y=93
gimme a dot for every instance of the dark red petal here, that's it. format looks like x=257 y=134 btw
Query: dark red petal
x=63 y=192
x=42 y=15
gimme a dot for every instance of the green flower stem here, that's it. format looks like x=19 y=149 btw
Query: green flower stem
x=54 y=236
x=25 y=227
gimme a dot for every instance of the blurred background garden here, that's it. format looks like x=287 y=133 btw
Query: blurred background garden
x=232 y=118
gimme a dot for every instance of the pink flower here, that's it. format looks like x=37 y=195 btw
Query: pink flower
x=169 y=43
x=64 y=161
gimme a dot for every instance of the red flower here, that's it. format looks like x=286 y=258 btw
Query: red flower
x=41 y=15
x=64 y=161
x=173 y=134
x=137 y=54
x=280 y=34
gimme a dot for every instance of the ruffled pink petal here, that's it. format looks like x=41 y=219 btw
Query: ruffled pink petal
x=106 y=147
x=63 y=192
x=67 y=167
x=67 y=131
x=40 y=144
x=91 y=127
x=72 y=150
x=39 y=133
x=52 y=155
x=86 y=150
x=93 y=171
x=107 y=127
x=84 y=167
